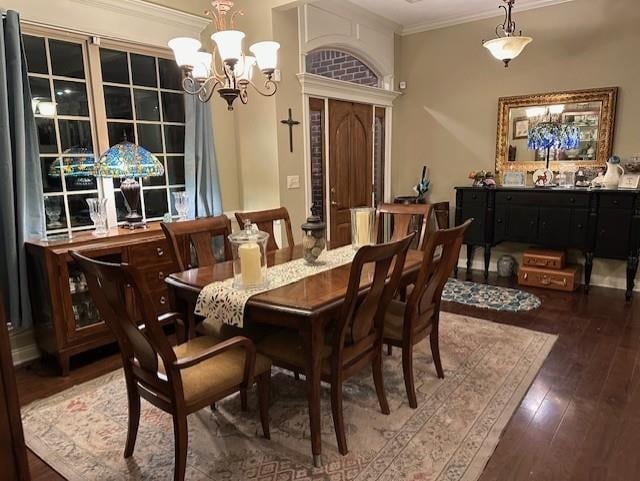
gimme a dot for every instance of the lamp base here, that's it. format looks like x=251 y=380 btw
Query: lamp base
x=130 y=189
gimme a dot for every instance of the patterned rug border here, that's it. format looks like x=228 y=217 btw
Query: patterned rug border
x=472 y=473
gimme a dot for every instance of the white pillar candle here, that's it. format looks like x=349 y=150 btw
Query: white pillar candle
x=362 y=227
x=250 y=264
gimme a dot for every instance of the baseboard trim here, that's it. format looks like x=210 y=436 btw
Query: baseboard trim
x=597 y=279
x=23 y=346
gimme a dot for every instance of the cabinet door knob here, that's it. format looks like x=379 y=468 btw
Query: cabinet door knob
x=615 y=202
x=474 y=196
x=579 y=226
x=160 y=251
x=163 y=300
x=160 y=275
x=509 y=197
x=499 y=221
x=572 y=200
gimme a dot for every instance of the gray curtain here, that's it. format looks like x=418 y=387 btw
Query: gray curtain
x=201 y=168
x=21 y=206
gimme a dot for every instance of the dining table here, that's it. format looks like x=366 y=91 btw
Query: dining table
x=307 y=305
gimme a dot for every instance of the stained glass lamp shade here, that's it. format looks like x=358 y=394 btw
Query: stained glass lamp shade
x=76 y=162
x=129 y=161
x=553 y=135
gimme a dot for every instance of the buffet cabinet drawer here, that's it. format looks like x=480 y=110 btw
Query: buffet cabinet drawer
x=150 y=253
x=615 y=201
x=543 y=198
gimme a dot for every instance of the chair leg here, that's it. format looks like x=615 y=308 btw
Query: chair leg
x=407 y=369
x=134 y=419
x=435 y=351
x=338 y=415
x=243 y=399
x=181 y=436
x=379 y=382
x=389 y=350
x=213 y=406
x=264 y=388
x=296 y=375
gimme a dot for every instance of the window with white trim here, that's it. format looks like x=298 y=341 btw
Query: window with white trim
x=87 y=98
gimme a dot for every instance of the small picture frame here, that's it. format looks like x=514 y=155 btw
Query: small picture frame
x=521 y=128
x=514 y=179
x=629 y=181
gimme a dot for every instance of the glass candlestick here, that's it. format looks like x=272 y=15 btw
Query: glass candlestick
x=181 y=203
x=362 y=224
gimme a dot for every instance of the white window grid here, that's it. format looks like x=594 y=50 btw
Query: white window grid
x=168 y=187
x=64 y=194
x=105 y=187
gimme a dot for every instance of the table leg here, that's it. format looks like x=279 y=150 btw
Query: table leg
x=313 y=341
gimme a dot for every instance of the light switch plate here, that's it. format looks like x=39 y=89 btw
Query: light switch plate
x=293 y=182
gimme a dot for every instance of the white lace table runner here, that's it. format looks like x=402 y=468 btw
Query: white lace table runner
x=221 y=303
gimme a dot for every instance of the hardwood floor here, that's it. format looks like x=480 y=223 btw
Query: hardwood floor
x=580 y=420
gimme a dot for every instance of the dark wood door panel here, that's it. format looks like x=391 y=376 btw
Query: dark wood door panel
x=350 y=164
x=553 y=228
x=521 y=223
x=613 y=233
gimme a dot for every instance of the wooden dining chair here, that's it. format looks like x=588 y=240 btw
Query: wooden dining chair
x=265 y=219
x=194 y=238
x=402 y=216
x=408 y=323
x=179 y=380
x=357 y=334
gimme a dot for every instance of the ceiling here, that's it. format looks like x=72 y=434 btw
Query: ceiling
x=419 y=15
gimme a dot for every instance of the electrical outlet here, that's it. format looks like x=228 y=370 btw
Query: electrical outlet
x=293 y=182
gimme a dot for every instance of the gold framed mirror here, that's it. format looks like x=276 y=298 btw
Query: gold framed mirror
x=579 y=123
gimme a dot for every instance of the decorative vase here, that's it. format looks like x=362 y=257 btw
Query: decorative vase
x=614 y=171
x=506 y=266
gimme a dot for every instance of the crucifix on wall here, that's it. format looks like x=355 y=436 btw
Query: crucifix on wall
x=291 y=123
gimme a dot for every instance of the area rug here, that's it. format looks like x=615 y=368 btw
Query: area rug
x=489 y=297
x=450 y=437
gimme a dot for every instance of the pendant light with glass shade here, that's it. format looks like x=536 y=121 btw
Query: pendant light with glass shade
x=202 y=76
x=508 y=45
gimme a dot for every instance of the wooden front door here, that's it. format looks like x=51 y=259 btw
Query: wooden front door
x=350 y=165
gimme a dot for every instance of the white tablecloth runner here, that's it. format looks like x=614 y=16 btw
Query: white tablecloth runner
x=220 y=303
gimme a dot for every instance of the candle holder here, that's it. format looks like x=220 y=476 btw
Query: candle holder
x=314 y=237
x=249 y=247
x=362 y=226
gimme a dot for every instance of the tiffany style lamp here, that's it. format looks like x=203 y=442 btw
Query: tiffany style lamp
x=129 y=161
x=553 y=135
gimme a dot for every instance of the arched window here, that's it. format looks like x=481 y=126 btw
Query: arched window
x=339 y=65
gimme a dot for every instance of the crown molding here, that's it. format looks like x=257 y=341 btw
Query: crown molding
x=151 y=11
x=339 y=89
x=483 y=15
x=131 y=20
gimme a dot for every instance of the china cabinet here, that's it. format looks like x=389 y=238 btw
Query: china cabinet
x=66 y=319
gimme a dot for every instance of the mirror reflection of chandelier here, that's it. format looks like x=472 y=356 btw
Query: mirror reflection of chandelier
x=508 y=44
x=202 y=76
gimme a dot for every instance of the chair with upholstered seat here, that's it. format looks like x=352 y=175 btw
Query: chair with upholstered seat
x=402 y=219
x=265 y=219
x=356 y=339
x=179 y=380
x=196 y=237
x=408 y=323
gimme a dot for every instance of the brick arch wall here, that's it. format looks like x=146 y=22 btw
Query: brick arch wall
x=339 y=65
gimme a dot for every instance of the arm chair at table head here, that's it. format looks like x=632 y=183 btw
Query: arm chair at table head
x=196 y=236
x=403 y=216
x=408 y=323
x=265 y=219
x=181 y=379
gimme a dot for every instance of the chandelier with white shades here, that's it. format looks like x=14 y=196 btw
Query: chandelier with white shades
x=508 y=45
x=202 y=76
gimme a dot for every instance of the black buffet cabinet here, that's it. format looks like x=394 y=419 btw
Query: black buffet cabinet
x=600 y=223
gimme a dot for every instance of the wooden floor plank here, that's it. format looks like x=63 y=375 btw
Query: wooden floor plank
x=580 y=420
